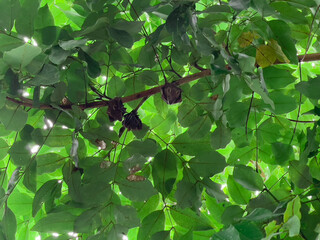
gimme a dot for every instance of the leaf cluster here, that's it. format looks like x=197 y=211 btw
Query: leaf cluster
x=149 y=119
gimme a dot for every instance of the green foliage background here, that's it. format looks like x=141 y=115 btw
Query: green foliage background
x=236 y=159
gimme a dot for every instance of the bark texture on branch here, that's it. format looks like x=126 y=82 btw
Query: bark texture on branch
x=149 y=92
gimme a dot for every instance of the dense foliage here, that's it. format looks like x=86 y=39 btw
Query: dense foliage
x=159 y=119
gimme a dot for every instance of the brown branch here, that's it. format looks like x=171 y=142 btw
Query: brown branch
x=309 y=57
x=149 y=92
x=130 y=98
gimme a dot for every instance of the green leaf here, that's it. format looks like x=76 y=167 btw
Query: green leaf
x=164 y=171
x=282 y=34
x=293 y=225
x=220 y=137
x=44 y=18
x=282 y=103
x=46 y=192
x=147 y=148
x=116 y=87
x=151 y=224
x=147 y=56
x=147 y=207
x=21 y=56
x=270 y=132
x=260 y=215
x=277 y=78
x=126 y=216
x=238 y=193
x=189 y=219
x=177 y=21
x=241 y=155
x=289 y=13
x=232 y=214
x=121 y=36
x=58 y=55
x=187 y=145
x=8 y=42
x=214 y=189
x=93 y=66
x=87 y=221
x=237 y=114
x=9 y=224
x=162 y=235
x=9 y=10
x=59 y=222
x=47 y=76
x=309 y=88
x=138 y=6
x=149 y=78
x=230 y=233
x=249 y=230
x=71 y=44
x=58 y=92
x=187 y=114
x=25 y=22
x=292 y=209
x=137 y=191
x=13 y=117
x=12 y=80
x=200 y=128
x=20 y=153
x=3 y=148
x=282 y=152
x=248 y=178
x=257 y=87
x=239 y=5
x=58 y=137
x=207 y=164
x=188 y=195
x=30 y=177
x=300 y=174
x=313 y=167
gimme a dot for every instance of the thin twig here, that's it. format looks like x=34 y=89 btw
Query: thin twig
x=248 y=114
x=299 y=107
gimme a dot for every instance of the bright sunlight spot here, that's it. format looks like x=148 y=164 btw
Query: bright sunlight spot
x=34 y=43
x=111 y=128
x=73 y=234
x=25 y=94
x=223 y=186
x=26 y=39
x=34 y=149
x=64 y=127
x=55 y=234
x=104 y=77
x=38 y=238
x=124 y=237
x=48 y=122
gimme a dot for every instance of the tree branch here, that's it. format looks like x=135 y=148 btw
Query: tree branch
x=149 y=92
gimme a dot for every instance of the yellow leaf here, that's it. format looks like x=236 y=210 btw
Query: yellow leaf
x=265 y=56
x=246 y=39
x=280 y=55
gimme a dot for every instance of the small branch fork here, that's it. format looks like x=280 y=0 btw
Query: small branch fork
x=149 y=92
